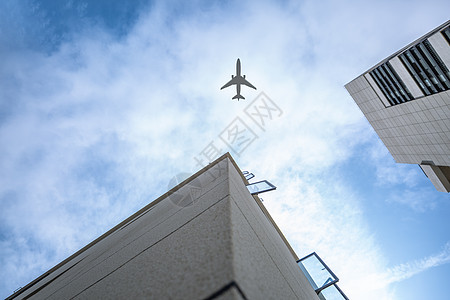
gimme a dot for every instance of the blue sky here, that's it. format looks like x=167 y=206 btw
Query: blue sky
x=102 y=103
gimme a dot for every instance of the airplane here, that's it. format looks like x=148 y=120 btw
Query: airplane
x=238 y=80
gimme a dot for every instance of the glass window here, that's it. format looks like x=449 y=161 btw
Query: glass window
x=427 y=68
x=321 y=278
x=390 y=84
x=333 y=293
x=319 y=275
x=446 y=34
x=260 y=187
x=249 y=176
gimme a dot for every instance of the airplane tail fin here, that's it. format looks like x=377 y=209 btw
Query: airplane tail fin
x=238 y=97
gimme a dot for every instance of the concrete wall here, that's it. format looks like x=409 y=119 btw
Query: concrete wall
x=439 y=176
x=220 y=246
x=264 y=266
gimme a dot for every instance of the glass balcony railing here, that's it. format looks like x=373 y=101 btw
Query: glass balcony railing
x=322 y=279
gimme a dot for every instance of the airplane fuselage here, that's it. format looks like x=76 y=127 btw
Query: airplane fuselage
x=238 y=67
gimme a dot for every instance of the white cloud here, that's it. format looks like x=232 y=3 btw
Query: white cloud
x=419 y=200
x=322 y=215
x=97 y=129
x=407 y=270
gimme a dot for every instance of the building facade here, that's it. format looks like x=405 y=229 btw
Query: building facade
x=406 y=99
x=207 y=238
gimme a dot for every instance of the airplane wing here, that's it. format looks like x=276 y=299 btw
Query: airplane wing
x=230 y=83
x=243 y=81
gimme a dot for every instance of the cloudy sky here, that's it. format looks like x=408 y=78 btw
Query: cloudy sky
x=103 y=102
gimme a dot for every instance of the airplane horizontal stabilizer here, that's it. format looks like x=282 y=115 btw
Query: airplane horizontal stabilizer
x=238 y=97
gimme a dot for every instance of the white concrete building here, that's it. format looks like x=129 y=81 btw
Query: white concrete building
x=406 y=99
x=207 y=238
